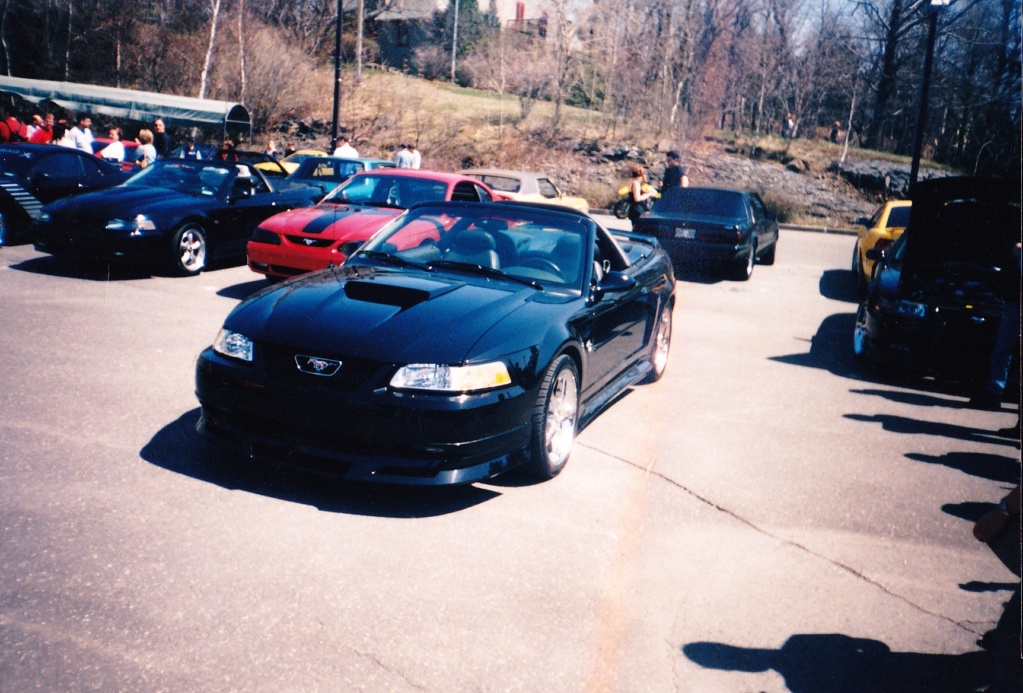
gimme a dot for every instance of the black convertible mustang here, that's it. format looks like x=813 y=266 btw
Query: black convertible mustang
x=462 y=340
x=177 y=212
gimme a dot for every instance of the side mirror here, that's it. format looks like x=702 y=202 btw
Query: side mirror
x=876 y=254
x=348 y=248
x=241 y=191
x=863 y=221
x=611 y=282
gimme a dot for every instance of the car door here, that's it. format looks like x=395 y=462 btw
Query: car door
x=615 y=323
x=56 y=175
x=250 y=199
x=96 y=176
x=764 y=225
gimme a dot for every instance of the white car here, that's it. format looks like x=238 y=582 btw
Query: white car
x=526 y=186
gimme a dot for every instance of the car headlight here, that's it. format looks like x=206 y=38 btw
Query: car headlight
x=911 y=309
x=903 y=308
x=233 y=345
x=441 y=378
x=137 y=225
x=261 y=235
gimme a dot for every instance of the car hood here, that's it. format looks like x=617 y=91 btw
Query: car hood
x=343 y=222
x=962 y=223
x=124 y=202
x=399 y=317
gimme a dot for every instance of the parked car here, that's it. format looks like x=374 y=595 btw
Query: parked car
x=726 y=229
x=935 y=301
x=879 y=231
x=526 y=187
x=303 y=240
x=32 y=175
x=462 y=341
x=130 y=152
x=292 y=161
x=178 y=212
x=328 y=172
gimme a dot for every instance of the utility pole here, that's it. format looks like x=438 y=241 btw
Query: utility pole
x=454 y=41
x=337 y=78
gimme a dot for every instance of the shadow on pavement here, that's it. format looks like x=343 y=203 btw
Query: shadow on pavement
x=903 y=424
x=178 y=448
x=80 y=268
x=978 y=464
x=243 y=290
x=836 y=663
x=839 y=285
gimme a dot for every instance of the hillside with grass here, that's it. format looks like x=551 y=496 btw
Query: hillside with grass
x=457 y=127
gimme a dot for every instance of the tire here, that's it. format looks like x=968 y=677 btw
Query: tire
x=744 y=269
x=857 y=268
x=861 y=347
x=660 y=345
x=555 y=418
x=621 y=208
x=768 y=257
x=189 y=249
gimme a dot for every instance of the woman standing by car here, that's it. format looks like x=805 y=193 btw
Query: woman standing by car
x=638 y=195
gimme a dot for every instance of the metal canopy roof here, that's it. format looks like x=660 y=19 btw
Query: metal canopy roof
x=141 y=106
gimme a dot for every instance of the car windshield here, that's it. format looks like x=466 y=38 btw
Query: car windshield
x=199 y=178
x=701 y=202
x=15 y=164
x=898 y=217
x=384 y=190
x=547 y=249
x=334 y=170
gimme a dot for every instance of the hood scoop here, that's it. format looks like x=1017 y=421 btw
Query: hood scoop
x=386 y=294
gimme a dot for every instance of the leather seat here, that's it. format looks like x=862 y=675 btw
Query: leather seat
x=475 y=248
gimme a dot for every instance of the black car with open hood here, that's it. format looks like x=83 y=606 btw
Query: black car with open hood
x=936 y=299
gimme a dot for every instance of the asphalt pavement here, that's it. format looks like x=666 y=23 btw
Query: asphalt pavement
x=768 y=517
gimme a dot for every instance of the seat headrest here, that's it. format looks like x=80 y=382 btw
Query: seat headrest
x=474 y=242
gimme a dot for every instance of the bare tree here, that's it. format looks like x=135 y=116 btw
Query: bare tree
x=215 y=12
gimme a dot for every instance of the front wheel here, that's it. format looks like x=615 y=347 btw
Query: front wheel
x=621 y=208
x=660 y=346
x=555 y=418
x=188 y=250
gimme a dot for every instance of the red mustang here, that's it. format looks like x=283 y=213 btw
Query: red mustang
x=302 y=240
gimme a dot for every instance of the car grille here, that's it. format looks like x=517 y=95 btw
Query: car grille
x=354 y=372
x=307 y=242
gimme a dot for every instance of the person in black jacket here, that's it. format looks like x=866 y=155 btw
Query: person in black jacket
x=674 y=174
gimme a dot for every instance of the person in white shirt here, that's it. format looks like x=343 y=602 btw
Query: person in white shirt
x=81 y=135
x=115 y=150
x=417 y=158
x=403 y=159
x=344 y=149
x=62 y=136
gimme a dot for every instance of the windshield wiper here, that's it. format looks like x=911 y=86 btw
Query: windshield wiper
x=484 y=271
x=390 y=259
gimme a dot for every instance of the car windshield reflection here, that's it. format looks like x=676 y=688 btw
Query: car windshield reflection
x=534 y=246
x=189 y=177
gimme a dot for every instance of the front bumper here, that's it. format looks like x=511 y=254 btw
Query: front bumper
x=359 y=429
x=291 y=257
x=94 y=242
x=949 y=341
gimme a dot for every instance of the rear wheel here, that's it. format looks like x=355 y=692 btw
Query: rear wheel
x=659 y=347
x=744 y=267
x=189 y=248
x=555 y=418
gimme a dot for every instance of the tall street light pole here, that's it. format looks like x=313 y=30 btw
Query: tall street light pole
x=454 y=41
x=337 y=78
x=925 y=88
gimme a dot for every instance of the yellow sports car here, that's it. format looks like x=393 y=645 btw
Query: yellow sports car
x=526 y=186
x=291 y=161
x=880 y=231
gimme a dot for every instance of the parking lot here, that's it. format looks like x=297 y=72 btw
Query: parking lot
x=768 y=517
